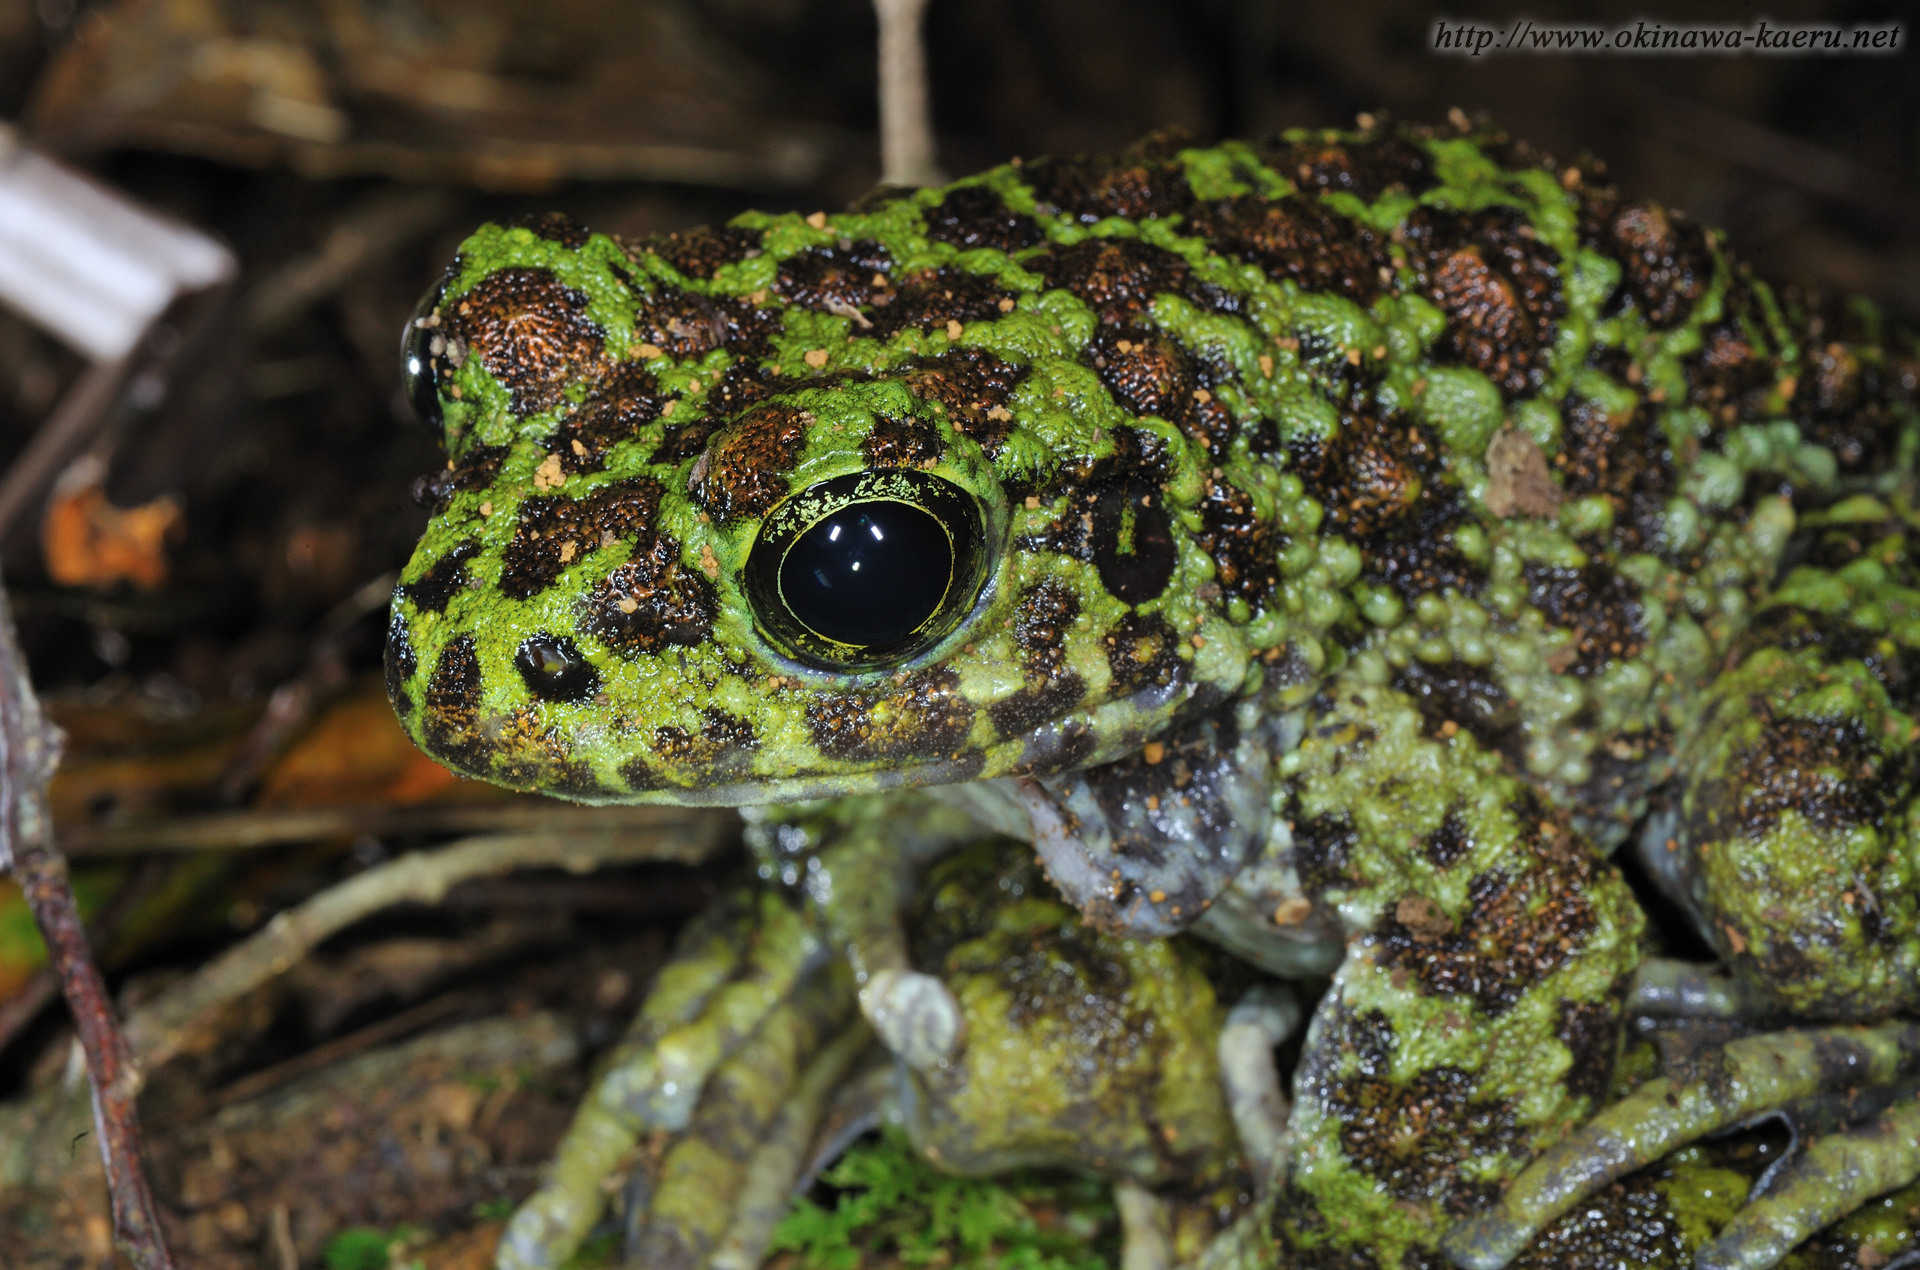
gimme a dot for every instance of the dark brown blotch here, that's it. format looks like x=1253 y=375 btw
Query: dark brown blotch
x=928 y=299
x=1143 y=653
x=1591 y=1032
x=651 y=602
x=1299 y=239
x=453 y=693
x=1499 y=287
x=743 y=472
x=444 y=578
x=975 y=216
x=1364 y=169
x=687 y=324
x=475 y=469
x=1599 y=605
x=554 y=227
x=1243 y=545
x=1455 y=695
x=1522 y=923
x=1149 y=373
x=1146 y=180
x=701 y=253
x=615 y=411
x=722 y=747
x=837 y=279
x=400 y=662
x=531 y=332
x=901 y=442
x=924 y=716
x=974 y=386
x=1665 y=264
x=552 y=534
x=1117 y=278
x=1041 y=623
x=1624 y=457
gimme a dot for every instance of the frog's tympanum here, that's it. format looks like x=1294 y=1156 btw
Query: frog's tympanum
x=1330 y=549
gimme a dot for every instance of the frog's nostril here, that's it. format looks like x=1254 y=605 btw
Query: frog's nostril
x=423 y=347
x=555 y=669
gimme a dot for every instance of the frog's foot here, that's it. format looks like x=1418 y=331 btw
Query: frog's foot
x=914 y=1015
x=1862 y=1074
x=741 y=982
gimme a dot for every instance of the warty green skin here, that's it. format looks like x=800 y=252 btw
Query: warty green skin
x=1460 y=541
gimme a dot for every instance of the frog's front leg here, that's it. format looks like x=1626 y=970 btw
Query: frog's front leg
x=1795 y=848
x=1476 y=1016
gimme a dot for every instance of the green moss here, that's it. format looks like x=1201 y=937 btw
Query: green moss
x=895 y=1208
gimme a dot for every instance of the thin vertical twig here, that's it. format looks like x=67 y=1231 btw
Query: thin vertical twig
x=29 y=751
x=906 y=118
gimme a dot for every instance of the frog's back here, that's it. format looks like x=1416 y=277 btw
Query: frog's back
x=1153 y=433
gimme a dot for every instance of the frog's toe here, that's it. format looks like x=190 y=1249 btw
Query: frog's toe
x=914 y=1015
x=724 y=1183
x=734 y=968
x=1754 y=1077
x=1834 y=1176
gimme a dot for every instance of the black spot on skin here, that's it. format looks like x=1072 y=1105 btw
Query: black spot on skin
x=553 y=534
x=1734 y=371
x=1143 y=652
x=1598 y=605
x=975 y=216
x=1147 y=180
x=832 y=279
x=1040 y=625
x=1630 y=1223
x=1097 y=491
x=1244 y=547
x=640 y=777
x=400 y=662
x=928 y=299
x=616 y=410
x=901 y=443
x=555 y=227
x=444 y=579
x=1300 y=239
x=555 y=669
x=1132 y=543
x=649 y=603
x=1499 y=286
x=743 y=384
x=743 y=472
x=1364 y=169
x=701 y=253
x=531 y=332
x=1519 y=927
x=1591 y=1031
x=572 y=780
x=974 y=386
x=924 y=717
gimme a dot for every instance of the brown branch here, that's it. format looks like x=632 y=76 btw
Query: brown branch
x=29 y=752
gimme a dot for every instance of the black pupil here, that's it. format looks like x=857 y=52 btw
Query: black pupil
x=869 y=574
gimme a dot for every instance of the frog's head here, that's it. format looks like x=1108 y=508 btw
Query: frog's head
x=800 y=508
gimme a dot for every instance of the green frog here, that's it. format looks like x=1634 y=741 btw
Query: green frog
x=1327 y=550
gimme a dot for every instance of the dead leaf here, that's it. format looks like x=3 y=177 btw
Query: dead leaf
x=87 y=541
x=1517 y=476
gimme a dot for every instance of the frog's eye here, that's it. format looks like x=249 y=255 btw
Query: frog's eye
x=866 y=570
x=422 y=341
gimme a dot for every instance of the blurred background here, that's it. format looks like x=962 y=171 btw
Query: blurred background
x=201 y=585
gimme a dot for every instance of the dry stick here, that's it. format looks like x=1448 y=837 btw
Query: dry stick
x=906 y=120
x=29 y=751
x=164 y=1027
